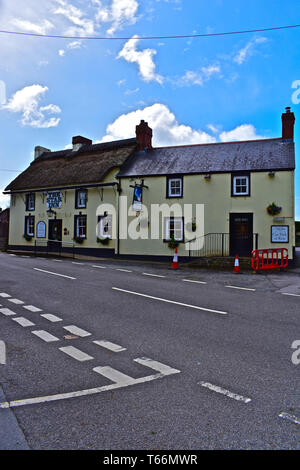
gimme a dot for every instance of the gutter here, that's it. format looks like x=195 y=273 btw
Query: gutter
x=95 y=185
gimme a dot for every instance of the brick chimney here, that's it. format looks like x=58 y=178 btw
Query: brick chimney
x=78 y=141
x=144 y=135
x=288 y=121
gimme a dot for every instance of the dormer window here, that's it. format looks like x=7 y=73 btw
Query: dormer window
x=175 y=187
x=80 y=198
x=241 y=185
x=30 y=202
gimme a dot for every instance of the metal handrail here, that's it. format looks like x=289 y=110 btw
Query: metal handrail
x=60 y=244
x=215 y=244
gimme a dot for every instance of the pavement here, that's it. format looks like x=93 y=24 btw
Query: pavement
x=111 y=355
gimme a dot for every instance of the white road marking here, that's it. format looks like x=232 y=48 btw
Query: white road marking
x=170 y=301
x=7 y=311
x=50 y=317
x=25 y=256
x=16 y=301
x=11 y=254
x=2 y=353
x=45 y=336
x=223 y=391
x=23 y=321
x=289 y=417
x=74 y=262
x=32 y=308
x=197 y=282
x=76 y=353
x=96 y=266
x=242 y=288
x=54 y=274
x=124 y=270
x=287 y=293
x=81 y=393
x=108 y=345
x=158 y=366
x=77 y=331
x=153 y=275
x=4 y=295
x=115 y=376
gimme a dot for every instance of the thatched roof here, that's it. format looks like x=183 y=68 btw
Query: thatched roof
x=89 y=164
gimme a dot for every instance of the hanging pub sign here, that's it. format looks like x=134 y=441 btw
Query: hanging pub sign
x=54 y=200
x=137 y=198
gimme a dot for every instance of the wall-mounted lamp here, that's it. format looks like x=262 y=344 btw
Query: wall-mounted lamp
x=271 y=173
x=50 y=212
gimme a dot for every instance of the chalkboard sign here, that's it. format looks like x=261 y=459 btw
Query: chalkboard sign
x=280 y=234
x=41 y=230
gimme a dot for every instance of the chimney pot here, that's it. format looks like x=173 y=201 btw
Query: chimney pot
x=288 y=121
x=78 y=141
x=144 y=135
x=38 y=151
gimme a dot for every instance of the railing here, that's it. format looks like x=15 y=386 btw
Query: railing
x=54 y=247
x=216 y=244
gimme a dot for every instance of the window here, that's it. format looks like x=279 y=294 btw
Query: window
x=30 y=202
x=241 y=185
x=29 y=225
x=174 y=228
x=80 y=198
x=80 y=226
x=174 y=187
x=105 y=225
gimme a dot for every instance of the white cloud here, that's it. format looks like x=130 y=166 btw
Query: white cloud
x=74 y=45
x=26 y=102
x=120 y=13
x=24 y=25
x=4 y=200
x=248 y=50
x=166 y=129
x=80 y=24
x=243 y=132
x=61 y=52
x=198 y=78
x=144 y=60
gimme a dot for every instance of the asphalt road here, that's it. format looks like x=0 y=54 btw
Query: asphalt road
x=218 y=372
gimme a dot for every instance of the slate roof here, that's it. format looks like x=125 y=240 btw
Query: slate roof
x=256 y=155
x=89 y=164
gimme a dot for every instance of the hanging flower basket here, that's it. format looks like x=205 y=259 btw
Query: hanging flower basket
x=173 y=243
x=273 y=209
x=192 y=226
x=78 y=240
x=104 y=241
x=28 y=238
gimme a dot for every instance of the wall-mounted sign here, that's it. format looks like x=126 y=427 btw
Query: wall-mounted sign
x=41 y=230
x=279 y=233
x=54 y=200
x=137 y=198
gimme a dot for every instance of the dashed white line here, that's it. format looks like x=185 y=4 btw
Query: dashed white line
x=242 y=288
x=16 y=301
x=76 y=353
x=32 y=308
x=7 y=311
x=54 y=274
x=11 y=254
x=171 y=301
x=124 y=270
x=74 y=262
x=97 y=266
x=45 y=336
x=153 y=275
x=196 y=282
x=50 y=317
x=287 y=293
x=77 y=331
x=223 y=391
x=23 y=321
x=108 y=345
x=4 y=295
x=57 y=260
x=289 y=417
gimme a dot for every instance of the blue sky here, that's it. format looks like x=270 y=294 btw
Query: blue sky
x=189 y=90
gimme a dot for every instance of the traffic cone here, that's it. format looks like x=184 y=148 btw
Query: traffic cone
x=175 y=260
x=236 y=264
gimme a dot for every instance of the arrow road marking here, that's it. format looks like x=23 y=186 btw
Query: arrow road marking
x=2 y=353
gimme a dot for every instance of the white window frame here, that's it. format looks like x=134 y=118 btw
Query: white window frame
x=80 y=205
x=175 y=220
x=244 y=193
x=28 y=224
x=79 y=226
x=172 y=180
x=106 y=220
x=30 y=202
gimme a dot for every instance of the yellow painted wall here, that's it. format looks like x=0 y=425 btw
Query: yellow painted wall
x=215 y=194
